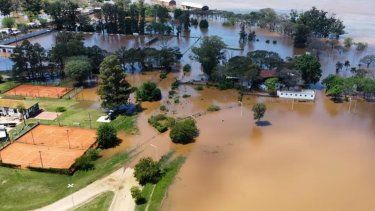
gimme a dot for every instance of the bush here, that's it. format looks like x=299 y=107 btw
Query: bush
x=84 y=163
x=176 y=100
x=184 y=131
x=60 y=109
x=199 y=88
x=163 y=108
x=8 y=22
x=163 y=75
x=186 y=68
x=147 y=171
x=137 y=195
x=213 y=108
x=175 y=84
x=186 y=96
x=161 y=122
x=148 y=92
x=203 y=24
x=106 y=136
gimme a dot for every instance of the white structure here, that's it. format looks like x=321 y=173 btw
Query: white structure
x=191 y=5
x=297 y=95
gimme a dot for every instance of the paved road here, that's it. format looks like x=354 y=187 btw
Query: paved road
x=119 y=182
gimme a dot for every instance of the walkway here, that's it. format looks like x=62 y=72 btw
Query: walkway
x=119 y=182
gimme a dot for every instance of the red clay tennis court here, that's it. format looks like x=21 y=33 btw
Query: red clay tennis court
x=49 y=147
x=28 y=90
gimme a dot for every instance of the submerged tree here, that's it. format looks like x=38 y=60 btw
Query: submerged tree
x=309 y=67
x=259 y=109
x=210 y=53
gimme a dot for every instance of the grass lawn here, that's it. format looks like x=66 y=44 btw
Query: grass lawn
x=25 y=190
x=100 y=203
x=154 y=201
x=5 y=86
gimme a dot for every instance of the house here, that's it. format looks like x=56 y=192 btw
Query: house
x=8 y=107
x=264 y=74
x=297 y=95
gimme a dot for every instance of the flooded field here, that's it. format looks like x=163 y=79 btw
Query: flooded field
x=312 y=155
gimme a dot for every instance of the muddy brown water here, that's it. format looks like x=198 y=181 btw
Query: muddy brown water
x=312 y=155
x=316 y=156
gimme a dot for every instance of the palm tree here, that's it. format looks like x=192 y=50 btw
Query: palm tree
x=339 y=66
x=347 y=64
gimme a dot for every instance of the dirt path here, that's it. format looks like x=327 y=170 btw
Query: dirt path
x=119 y=182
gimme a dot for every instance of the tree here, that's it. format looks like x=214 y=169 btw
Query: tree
x=259 y=109
x=339 y=67
x=334 y=86
x=32 y=7
x=137 y=195
x=271 y=84
x=348 y=42
x=368 y=60
x=289 y=77
x=309 y=67
x=210 y=53
x=183 y=132
x=148 y=92
x=106 y=136
x=203 y=24
x=78 y=68
x=5 y=7
x=265 y=59
x=242 y=67
x=114 y=90
x=147 y=171
x=301 y=35
x=8 y=22
x=21 y=109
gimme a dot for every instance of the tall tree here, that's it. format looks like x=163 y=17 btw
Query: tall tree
x=5 y=7
x=114 y=90
x=210 y=53
x=309 y=67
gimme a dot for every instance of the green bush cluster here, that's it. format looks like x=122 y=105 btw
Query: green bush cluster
x=161 y=122
x=184 y=131
x=148 y=92
x=187 y=68
x=60 y=109
x=107 y=136
x=147 y=171
x=213 y=108
x=137 y=195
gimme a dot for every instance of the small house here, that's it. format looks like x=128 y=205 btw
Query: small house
x=9 y=107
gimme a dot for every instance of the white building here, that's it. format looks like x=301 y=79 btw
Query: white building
x=297 y=95
x=190 y=5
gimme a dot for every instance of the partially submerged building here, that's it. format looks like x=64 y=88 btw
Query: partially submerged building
x=303 y=95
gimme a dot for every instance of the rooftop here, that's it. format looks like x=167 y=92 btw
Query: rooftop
x=14 y=103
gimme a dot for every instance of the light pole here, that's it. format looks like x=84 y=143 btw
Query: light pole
x=67 y=134
x=32 y=136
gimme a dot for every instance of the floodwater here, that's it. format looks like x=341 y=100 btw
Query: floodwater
x=358 y=16
x=311 y=156
x=318 y=156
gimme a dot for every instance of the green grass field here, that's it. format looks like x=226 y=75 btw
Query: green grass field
x=25 y=190
x=154 y=201
x=5 y=86
x=100 y=203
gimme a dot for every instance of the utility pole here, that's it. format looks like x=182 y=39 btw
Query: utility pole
x=40 y=156
x=67 y=134
x=32 y=136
